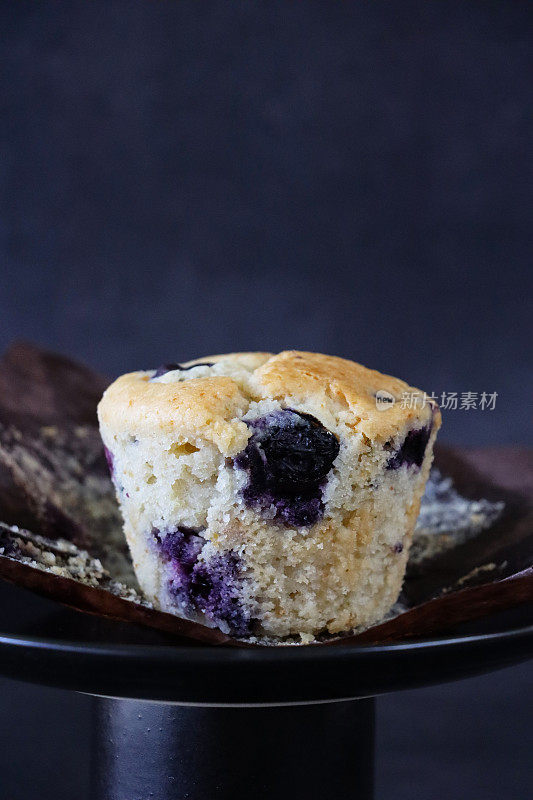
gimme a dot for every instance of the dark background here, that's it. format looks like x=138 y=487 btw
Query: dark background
x=186 y=178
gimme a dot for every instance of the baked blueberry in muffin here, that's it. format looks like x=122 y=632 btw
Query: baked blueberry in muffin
x=268 y=495
x=288 y=457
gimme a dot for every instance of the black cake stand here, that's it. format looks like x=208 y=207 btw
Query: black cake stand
x=184 y=721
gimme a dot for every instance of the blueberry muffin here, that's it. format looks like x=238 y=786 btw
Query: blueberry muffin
x=270 y=496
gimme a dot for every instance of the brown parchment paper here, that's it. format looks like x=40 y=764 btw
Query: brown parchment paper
x=60 y=529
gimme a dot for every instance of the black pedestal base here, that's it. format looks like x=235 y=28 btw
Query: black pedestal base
x=155 y=751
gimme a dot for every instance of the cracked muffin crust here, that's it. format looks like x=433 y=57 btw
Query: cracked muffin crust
x=268 y=495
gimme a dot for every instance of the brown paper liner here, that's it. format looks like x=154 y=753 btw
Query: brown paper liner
x=53 y=479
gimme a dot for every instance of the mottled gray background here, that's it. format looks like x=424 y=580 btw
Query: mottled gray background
x=356 y=178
